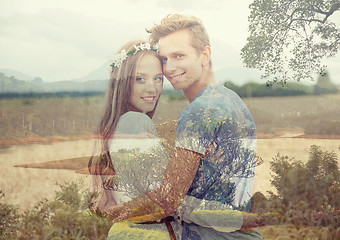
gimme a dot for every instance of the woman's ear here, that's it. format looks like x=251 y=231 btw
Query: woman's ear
x=206 y=55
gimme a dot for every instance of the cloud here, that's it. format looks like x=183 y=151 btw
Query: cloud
x=62 y=43
x=89 y=34
x=64 y=39
x=180 y=5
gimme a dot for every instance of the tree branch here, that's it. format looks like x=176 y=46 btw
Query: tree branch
x=307 y=20
x=333 y=8
x=314 y=9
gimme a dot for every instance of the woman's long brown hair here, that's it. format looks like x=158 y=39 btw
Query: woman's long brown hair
x=117 y=103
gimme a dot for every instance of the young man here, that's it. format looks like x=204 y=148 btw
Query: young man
x=216 y=127
x=208 y=181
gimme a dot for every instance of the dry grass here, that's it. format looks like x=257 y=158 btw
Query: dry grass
x=289 y=232
x=273 y=114
x=292 y=113
x=40 y=119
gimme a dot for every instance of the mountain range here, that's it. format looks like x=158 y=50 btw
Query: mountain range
x=96 y=80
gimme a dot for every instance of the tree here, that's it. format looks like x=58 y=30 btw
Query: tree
x=37 y=80
x=324 y=85
x=289 y=38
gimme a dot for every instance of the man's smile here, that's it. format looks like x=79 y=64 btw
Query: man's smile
x=176 y=76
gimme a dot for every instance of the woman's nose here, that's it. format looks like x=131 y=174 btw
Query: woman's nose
x=150 y=86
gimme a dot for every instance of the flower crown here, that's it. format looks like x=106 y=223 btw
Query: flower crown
x=120 y=57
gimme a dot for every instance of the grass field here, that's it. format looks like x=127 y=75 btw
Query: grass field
x=313 y=114
x=61 y=117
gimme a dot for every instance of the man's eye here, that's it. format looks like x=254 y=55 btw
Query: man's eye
x=164 y=60
x=180 y=55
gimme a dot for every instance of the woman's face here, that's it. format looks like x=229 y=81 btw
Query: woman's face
x=148 y=84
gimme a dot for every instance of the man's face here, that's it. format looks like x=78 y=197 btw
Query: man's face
x=182 y=65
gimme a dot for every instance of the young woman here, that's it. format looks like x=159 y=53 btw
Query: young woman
x=131 y=160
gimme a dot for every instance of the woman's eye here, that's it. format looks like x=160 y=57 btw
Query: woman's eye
x=164 y=60
x=140 y=79
x=180 y=55
x=158 y=79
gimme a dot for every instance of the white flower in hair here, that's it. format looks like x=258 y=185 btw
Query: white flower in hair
x=147 y=46
x=119 y=58
x=123 y=55
x=141 y=47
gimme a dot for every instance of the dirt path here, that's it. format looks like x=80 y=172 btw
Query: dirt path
x=63 y=161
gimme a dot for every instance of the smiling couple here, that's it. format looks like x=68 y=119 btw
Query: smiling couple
x=202 y=189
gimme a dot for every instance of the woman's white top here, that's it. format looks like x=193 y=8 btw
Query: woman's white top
x=137 y=156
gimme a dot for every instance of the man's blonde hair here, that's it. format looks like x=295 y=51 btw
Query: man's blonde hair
x=175 y=22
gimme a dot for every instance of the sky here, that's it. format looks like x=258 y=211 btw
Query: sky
x=67 y=39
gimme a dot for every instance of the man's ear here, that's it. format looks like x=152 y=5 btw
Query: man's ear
x=206 y=55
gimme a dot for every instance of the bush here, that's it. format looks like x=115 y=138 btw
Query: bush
x=252 y=89
x=66 y=217
x=324 y=85
x=307 y=194
x=9 y=219
x=175 y=95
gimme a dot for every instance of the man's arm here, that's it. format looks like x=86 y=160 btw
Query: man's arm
x=163 y=201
